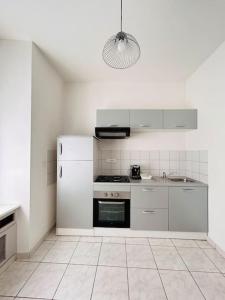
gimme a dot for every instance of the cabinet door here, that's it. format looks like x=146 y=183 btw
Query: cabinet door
x=149 y=197
x=75 y=148
x=188 y=209
x=146 y=118
x=113 y=118
x=75 y=194
x=149 y=219
x=180 y=119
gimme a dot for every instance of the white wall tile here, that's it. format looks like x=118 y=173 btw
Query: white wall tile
x=204 y=156
x=154 y=155
x=164 y=155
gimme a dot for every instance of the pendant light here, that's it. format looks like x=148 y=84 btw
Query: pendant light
x=122 y=50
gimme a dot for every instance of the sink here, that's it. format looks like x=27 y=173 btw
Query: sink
x=180 y=179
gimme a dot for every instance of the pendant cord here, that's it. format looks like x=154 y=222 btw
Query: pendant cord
x=121 y=15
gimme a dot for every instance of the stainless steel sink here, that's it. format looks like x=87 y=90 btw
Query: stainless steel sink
x=180 y=179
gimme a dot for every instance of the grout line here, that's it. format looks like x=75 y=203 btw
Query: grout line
x=128 y=286
x=190 y=272
x=65 y=271
x=157 y=269
x=213 y=261
x=96 y=271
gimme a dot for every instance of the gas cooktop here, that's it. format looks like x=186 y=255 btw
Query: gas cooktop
x=119 y=179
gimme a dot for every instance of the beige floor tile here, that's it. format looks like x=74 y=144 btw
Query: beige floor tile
x=86 y=253
x=68 y=238
x=212 y=285
x=61 y=252
x=140 y=256
x=113 y=255
x=216 y=258
x=145 y=284
x=77 y=283
x=161 y=242
x=13 y=279
x=110 y=284
x=185 y=243
x=52 y=236
x=168 y=258
x=180 y=285
x=40 y=253
x=7 y=298
x=91 y=239
x=196 y=260
x=44 y=281
x=137 y=241
x=204 y=244
x=113 y=240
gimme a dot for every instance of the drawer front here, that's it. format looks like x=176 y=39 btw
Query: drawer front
x=149 y=197
x=146 y=219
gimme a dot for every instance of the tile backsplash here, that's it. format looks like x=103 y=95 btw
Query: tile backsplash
x=193 y=164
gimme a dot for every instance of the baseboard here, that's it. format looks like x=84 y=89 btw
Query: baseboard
x=126 y=232
x=26 y=255
x=211 y=242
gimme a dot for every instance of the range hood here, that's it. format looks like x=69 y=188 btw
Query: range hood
x=112 y=132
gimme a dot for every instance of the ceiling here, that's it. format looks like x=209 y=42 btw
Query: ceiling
x=175 y=36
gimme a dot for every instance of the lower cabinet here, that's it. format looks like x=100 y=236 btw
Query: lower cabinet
x=149 y=219
x=188 y=209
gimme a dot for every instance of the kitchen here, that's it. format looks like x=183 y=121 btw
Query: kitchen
x=71 y=191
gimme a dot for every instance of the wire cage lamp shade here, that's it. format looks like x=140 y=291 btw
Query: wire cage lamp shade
x=122 y=50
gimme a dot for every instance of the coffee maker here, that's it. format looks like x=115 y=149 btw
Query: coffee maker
x=135 y=172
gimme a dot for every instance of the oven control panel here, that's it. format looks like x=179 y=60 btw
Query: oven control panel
x=111 y=195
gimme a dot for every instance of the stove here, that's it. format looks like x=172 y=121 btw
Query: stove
x=117 y=179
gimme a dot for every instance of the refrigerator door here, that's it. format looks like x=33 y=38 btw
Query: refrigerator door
x=75 y=148
x=75 y=194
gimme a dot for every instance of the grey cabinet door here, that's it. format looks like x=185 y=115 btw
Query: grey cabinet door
x=180 y=119
x=75 y=194
x=149 y=219
x=113 y=118
x=188 y=209
x=149 y=197
x=146 y=118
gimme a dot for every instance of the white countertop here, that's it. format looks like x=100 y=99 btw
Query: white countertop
x=6 y=209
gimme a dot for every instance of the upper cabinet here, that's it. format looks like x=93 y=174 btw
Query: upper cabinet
x=146 y=118
x=113 y=118
x=180 y=119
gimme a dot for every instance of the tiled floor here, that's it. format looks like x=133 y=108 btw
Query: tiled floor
x=117 y=268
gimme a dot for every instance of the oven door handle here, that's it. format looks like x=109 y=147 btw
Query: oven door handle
x=111 y=202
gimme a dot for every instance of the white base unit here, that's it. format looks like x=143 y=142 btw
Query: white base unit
x=8 y=243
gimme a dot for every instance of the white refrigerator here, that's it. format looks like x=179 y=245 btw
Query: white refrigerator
x=75 y=174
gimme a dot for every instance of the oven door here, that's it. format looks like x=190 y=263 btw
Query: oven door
x=112 y=213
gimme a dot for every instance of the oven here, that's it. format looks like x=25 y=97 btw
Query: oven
x=111 y=209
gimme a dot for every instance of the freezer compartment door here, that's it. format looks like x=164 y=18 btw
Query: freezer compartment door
x=75 y=148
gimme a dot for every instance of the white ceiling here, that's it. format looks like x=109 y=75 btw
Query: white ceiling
x=175 y=36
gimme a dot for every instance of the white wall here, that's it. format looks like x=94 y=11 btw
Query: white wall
x=82 y=100
x=206 y=91
x=47 y=111
x=15 y=131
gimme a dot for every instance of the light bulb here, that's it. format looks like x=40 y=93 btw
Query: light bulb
x=121 y=45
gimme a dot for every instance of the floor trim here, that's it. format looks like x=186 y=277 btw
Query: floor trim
x=220 y=250
x=126 y=232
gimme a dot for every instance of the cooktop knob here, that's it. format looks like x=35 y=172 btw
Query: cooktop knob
x=116 y=194
x=106 y=194
x=111 y=194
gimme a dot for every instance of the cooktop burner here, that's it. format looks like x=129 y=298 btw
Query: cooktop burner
x=123 y=179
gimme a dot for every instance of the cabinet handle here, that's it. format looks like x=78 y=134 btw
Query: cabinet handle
x=188 y=189
x=61 y=149
x=148 y=190
x=111 y=202
x=180 y=126
x=143 y=125
x=112 y=125
x=60 y=172
x=149 y=212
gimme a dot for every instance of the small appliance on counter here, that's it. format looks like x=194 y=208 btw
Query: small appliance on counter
x=135 y=172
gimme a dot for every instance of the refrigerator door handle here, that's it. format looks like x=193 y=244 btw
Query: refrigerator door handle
x=60 y=172
x=60 y=147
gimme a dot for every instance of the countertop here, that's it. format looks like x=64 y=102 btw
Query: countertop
x=155 y=181
x=6 y=209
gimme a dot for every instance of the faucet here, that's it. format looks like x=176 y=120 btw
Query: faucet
x=164 y=175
